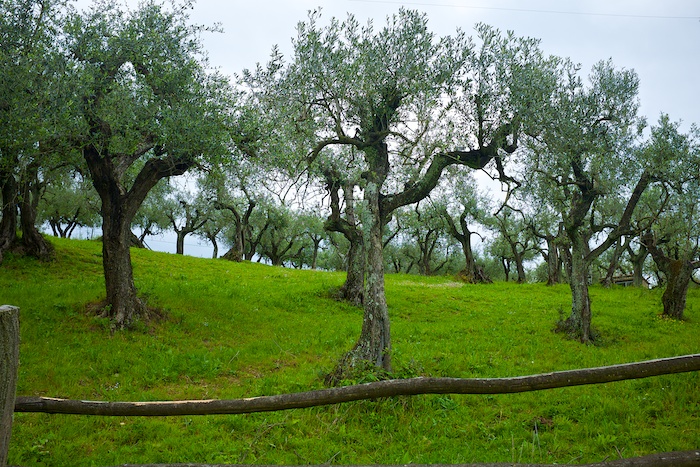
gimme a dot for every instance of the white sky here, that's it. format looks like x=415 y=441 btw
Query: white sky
x=659 y=39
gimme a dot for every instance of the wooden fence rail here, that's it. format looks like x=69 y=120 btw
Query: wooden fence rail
x=9 y=360
x=390 y=388
x=665 y=459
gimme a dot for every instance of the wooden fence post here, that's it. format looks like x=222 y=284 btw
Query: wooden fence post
x=9 y=362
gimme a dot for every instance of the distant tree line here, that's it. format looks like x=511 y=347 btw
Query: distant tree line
x=358 y=152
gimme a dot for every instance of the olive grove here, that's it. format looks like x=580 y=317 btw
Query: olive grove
x=357 y=152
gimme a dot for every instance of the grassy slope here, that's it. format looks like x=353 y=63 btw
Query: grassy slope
x=239 y=330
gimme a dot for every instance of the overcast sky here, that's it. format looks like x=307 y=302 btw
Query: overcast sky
x=657 y=38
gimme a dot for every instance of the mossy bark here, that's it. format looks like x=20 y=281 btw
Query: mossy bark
x=372 y=352
x=8 y=221
x=678 y=274
x=578 y=324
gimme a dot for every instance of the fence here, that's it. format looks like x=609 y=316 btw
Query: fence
x=9 y=357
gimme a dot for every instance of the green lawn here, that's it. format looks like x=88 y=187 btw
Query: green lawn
x=240 y=330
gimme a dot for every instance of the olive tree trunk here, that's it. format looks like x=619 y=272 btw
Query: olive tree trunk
x=353 y=288
x=8 y=222
x=578 y=324
x=678 y=272
x=678 y=276
x=553 y=261
x=34 y=243
x=123 y=304
x=373 y=348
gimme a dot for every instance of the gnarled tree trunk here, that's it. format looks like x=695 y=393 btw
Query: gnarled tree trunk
x=374 y=344
x=578 y=324
x=614 y=263
x=8 y=223
x=677 y=282
x=352 y=289
x=678 y=272
x=553 y=261
x=123 y=305
x=34 y=243
x=638 y=260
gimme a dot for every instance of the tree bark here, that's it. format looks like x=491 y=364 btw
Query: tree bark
x=614 y=262
x=123 y=305
x=578 y=324
x=553 y=261
x=375 y=390
x=520 y=268
x=505 y=263
x=215 y=245
x=678 y=274
x=373 y=348
x=237 y=251
x=352 y=289
x=374 y=344
x=34 y=243
x=677 y=282
x=469 y=262
x=638 y=260
x=8 y=222
x=9 y=363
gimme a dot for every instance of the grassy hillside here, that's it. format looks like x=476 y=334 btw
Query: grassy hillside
x=240 y=330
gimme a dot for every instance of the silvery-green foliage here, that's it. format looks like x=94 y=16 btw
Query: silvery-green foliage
x=676 y=156
x=588 y=136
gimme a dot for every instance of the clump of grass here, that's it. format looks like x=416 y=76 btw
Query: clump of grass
x=243 y=330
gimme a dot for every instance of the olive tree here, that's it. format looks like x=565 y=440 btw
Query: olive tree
x=674 y=240
x=145 y=108
x=585 y=154
x=68 y=202
x=32 y=118
x=519 y=241
x=188 y=213
x=463 y=206
x=410 y=104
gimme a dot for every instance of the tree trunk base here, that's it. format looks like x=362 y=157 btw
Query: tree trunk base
x=39 y=249
x=478 y=276
x=355 y=368
x=351 y=295
x=573 y=329
x=233 y=255
x=117 y=322
x=35 y=245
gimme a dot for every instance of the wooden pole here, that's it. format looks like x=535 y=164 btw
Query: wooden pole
x=664 y=459
x=403 y=387
x=9 y=361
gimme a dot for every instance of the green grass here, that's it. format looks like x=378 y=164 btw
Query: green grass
x=240 y=330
